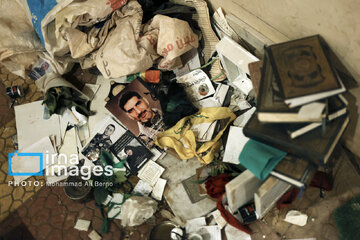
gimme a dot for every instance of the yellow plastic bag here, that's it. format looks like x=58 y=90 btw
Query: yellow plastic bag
x=183 y=140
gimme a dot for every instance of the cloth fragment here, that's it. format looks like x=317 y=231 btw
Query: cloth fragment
x=260 y=158
x=174 y=103
x=215 y=188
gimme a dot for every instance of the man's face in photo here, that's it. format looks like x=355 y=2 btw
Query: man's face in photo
x=109 y=130
x=138 y=109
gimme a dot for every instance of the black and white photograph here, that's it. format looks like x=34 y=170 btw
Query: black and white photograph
x=133 y=152
x=106 y=135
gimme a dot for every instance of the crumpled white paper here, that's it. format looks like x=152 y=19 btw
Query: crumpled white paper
x=136 y=210
x=296 y=217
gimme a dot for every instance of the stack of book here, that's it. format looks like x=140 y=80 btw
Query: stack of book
x=300 y=108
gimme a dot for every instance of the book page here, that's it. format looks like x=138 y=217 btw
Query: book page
x=151 y=172
x=159 y=188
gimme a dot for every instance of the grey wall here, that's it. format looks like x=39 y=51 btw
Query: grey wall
x=337 y=21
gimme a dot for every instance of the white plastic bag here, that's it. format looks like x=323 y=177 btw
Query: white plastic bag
x=19 y=44
x=136 y=210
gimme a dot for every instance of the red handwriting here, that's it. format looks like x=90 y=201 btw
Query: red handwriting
x=187 y=40
x=166 y=64
x=180 y=44
x=151 y=40
x=115 y=4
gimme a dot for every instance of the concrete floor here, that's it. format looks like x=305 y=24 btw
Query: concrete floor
x=46 y=213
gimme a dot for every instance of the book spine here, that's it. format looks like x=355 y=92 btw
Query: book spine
x=261 y=87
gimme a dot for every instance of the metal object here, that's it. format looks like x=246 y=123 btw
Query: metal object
x=14 y=92
x=77 y=188
x=162 y=231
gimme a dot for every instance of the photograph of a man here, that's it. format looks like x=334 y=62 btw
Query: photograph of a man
x=149 y=120
x=138 y=111
x=100 y=142
x=39 y=71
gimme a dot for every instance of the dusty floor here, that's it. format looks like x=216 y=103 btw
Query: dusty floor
x=48 y=214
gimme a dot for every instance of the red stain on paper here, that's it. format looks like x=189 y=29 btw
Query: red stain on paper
x=115 y=4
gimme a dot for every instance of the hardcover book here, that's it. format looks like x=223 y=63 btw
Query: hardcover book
x=255 y=75
x=270 y=101
x=336 y=108
x=303 y=71
x=268 y=194
x=316 y=145
x=241 y=189
x=293 y=170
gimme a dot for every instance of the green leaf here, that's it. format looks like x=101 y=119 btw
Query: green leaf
x=200 y=181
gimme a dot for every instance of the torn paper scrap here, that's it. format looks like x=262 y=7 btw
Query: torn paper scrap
x=193 y=224
x=107 y=200
x=204 y=131
x=117 y=198
x=82 y=225
x=94 y=235
x=219 y=219
x=67 y=154
x=197 y=85
x=220 y=93
x=296 y=217
x=195 y=236
x=31 y=126
x=241 y=120
x=114 y=212
x=207 y=102
x=143 y=188
x=235 y=143
x=159 y=188
x=210 y=232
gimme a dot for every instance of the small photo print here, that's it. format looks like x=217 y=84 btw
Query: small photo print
x=104 y=138
x=132 y=151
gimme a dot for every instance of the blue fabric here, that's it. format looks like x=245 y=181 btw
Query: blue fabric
x=39 y=9
x=260 y=158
